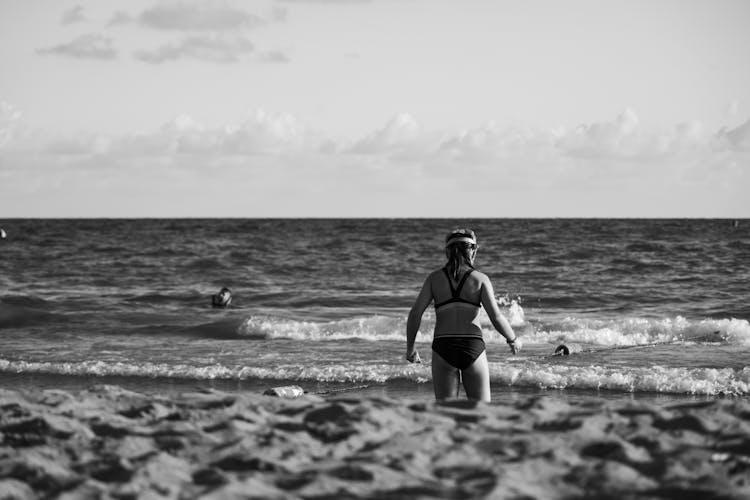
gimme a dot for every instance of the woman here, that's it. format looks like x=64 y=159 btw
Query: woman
x=458 y=351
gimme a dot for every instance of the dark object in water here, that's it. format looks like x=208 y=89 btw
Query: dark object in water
x=562 y=350
x=567 y=349
x=221 y=299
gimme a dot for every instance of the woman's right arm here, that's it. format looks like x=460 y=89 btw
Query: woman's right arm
x=415 y=319
x=496 y=317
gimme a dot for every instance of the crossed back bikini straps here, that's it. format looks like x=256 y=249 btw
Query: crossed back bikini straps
x=456 y=292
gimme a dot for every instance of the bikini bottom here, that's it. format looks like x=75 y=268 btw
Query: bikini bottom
x=460 y=352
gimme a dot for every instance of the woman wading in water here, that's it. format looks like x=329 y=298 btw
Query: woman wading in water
x=458 y=351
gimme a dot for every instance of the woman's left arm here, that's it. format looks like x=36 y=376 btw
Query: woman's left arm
x=415 y=319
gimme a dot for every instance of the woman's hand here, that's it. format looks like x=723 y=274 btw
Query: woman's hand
x=514 y=345
x=413 y=357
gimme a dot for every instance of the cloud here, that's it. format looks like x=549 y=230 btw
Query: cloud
x=89 y=46
x=339 y=2
x=73 y=15
x=10 y=117
x=119 y=18
x=273 y=56
x=401 y=131
x=492 y=143
x=266 y=133
x=733 y=108
x=736 y=139
x=277 y=160
x=279 y=14
x=196 y=16
x=261 y=134
x=618 y=138
x=212 y=48
x=215 y=32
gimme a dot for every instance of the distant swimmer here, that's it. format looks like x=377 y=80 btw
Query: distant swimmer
x=222 y=299
x=3 y=234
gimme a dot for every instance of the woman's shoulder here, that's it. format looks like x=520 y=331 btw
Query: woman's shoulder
x=437 y=272
x=479 y=275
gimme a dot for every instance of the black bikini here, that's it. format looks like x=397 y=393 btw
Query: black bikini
x=456 y=292
x=460 y=351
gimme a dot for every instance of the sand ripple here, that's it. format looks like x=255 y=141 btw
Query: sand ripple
x=108 y=442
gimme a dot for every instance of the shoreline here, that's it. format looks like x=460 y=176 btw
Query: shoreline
x=397 y=389
x=110 y=441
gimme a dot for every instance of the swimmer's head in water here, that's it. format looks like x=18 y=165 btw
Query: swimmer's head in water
x=461 y=235
x=223 y=298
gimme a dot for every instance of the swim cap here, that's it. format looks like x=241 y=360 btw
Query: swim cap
x=461 y=234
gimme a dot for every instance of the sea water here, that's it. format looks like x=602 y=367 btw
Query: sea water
x=654 y=308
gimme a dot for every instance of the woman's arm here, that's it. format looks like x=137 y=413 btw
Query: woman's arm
x=415 y=319
x=496 y=317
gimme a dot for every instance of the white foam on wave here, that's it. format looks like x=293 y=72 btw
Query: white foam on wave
x=350 y=372
x=705 y=381
x=516 y=316
x=375 y=327
x=612 y=332
x=101 y=368
x=526 y=374
x=640 y=331
x=344 y=372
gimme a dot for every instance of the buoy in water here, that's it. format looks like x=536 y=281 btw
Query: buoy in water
x=567 y=349
x=286 y=391
x=3 y=234
x=222 y=299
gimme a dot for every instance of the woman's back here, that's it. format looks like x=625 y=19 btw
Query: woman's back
x=457 y=303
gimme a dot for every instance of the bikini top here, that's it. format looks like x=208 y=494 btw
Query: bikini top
x=456 y=292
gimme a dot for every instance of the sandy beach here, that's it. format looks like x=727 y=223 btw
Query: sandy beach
x=110 y=442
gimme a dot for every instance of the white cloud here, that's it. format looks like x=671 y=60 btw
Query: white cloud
x=733 y=108
x=212 y=48
x=261 y=134
x=619 y=138
x=9 y=120
x=82 y=144
x=273 y=56
x=279 y=14
x=119 y=18
x=89 y=46
x=276 y=160
x=737 y=139
x=491 y=143
x=402 y=131
x=73 y=15
x=215 y=31
x=269 y=133
x=339 y=2
x=198 y=16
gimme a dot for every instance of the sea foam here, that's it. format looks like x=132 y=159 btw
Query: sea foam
x=657 y=379
x=613 y=332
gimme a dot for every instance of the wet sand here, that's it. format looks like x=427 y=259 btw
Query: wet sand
x=111 y=442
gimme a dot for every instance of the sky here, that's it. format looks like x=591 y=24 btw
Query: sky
x=380 y=108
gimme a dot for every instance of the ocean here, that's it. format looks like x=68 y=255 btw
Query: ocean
x=648 y=308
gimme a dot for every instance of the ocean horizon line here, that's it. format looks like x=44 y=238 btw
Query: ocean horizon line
x=219 y=217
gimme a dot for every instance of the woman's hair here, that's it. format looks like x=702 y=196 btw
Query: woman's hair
x=458 y=253
x=458 y=246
